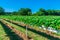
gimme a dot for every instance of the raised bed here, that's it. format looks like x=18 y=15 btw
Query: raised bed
x=20 y=34
x=29 y=27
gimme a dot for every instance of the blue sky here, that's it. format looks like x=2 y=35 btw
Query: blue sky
x=34 y=5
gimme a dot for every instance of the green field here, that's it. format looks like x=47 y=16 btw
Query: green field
x=29 y=20
x=52 y=21
x=35 y=21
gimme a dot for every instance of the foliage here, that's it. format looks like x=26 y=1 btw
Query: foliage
x=1 y=11
x=47 y=12
x=52 y=21
x=24 y=11
x=28 y=12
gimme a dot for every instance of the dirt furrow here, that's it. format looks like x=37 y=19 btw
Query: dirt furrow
x=46 y=33
x=20 y=34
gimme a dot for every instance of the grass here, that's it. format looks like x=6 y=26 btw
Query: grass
x=30 y=33
x=3 y=34
x=40 y=33
x=8 y=34
x=52 y=21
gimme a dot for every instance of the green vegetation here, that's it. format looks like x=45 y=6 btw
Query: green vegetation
x=3 y=34
x=48 y=18
x=7 y=34
x=30 y=33
x=28 y=12
x=52 y=21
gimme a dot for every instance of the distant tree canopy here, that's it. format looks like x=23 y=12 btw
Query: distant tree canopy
x=47 y=12
x=41 y=12
x=28 y=12
x=24 y=11
x=2 y=11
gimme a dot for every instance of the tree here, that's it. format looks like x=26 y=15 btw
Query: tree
x=53 y=12
x=14 y=13
x=24 y=11
x=1 y=11
x=57 y=12
x=41 y=12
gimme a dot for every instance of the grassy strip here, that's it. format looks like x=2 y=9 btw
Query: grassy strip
x=20 y=34
x=9 y=34
x=40 y=30
x=3 y=35
x=30 y=33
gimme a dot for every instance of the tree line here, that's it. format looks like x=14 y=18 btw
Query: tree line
x=28 y=12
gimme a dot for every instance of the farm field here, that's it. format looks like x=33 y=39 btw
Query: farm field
x=35 y=22
x=2 y=33
x=29 y=20
x=6 y=33
x=52 y=21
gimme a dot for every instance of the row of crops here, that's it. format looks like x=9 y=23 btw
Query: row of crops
x=32 y=34
x=36 y=22
x=6 y=33
x=36 y=29
x=17 y=32
x=47 y=21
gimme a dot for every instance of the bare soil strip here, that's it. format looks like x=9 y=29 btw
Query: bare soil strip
x=9 y=34
x=31 y=34
x=46 y=33
x=20 y=34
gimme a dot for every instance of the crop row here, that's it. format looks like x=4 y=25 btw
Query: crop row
x=32 y=28
x=20 y=34
x=35 y=35
x=47 y=21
